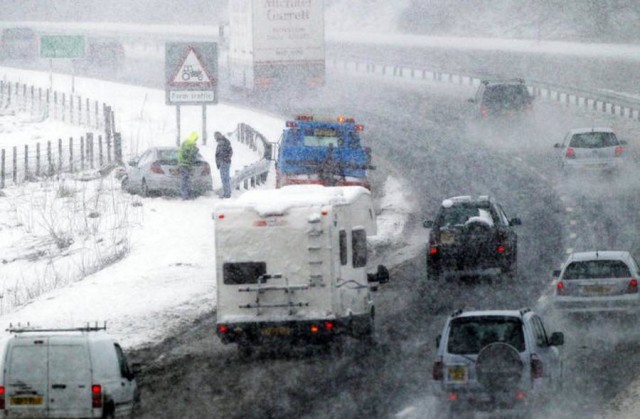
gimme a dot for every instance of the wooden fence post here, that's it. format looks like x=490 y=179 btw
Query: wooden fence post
x=108 y=149
x=82 y=153
x=49 y=158
x=15 y=165
x=88 y=106
x=117 y=147
x=71 y=154
x=37 y=159
x=90 y=148
x=100 y=150
x=26 y=161
x=2 y=172
x=59 y=155
x=71 y=108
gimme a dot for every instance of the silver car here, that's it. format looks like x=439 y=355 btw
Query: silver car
x=498 y=362
x=597 y=282
x=588 y=149
x=157 y=171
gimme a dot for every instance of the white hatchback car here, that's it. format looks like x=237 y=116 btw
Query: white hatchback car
x=597 y=282
x=588 y=149
x=496 y=362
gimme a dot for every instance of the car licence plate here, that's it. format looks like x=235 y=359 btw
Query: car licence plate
x=447 y=237
x=276 y=331
x=25 y=400
x=596 y=289
x=457 y=373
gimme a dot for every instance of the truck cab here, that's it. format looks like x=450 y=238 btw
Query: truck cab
x=323 y=152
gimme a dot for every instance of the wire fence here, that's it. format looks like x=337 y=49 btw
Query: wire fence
x=99 y=146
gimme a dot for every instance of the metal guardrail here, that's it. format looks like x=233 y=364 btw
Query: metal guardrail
x=607 y=102
x=255 y=174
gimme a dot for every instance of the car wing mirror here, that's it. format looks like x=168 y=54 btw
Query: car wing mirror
x=438 y=341
x=557 y=145
x=133 y=162
x=427 y=224
x=515 y=222
x=471 y=100
x=623 y=142
x=556 y=273
x=557 y=339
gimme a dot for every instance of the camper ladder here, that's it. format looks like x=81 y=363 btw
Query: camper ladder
x=315 y=236
x=287 y=288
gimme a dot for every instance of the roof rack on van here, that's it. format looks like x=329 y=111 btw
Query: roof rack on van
x=457 y=312
x=28 y=328
x=524 y=310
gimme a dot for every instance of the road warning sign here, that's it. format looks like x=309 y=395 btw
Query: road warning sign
x=191 y=73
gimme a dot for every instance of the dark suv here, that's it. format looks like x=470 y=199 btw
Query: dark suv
x=500 y=97
x=471 y=237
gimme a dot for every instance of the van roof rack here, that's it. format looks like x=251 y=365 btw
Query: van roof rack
x=524 y=311
x=30 y=329
x=457 y=312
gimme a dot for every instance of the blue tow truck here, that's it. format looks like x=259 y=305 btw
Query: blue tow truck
x=324 y=152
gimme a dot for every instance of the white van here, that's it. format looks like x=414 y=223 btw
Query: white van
x=291 y=264
x=70 y=373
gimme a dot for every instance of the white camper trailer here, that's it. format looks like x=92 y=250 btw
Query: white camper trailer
x=291 y=265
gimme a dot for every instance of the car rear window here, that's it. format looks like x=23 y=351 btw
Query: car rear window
x=594 y=269
x=506 y=93
x=459 y=214
x=468 y=335
x=594 y=140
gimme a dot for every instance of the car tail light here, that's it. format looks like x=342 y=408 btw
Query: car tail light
x=96 y=396
x=500 y=249
x=560 y=288
x=452 y=396
x=328 y=325
x=537 y=369
x=632 y=288
x=223 y=328
x=438 y=370
x=156 y=168
x=521 y=395
x=314 y=329
x=571 y=153
x=484 y=111
x=2 y=391
x=433 y=250
x=619 y=150
x=206 y=170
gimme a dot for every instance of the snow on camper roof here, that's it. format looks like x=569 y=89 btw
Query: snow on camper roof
x=278 y=201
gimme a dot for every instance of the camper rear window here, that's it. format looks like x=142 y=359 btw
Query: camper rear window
x=359 y=248
x=243 y=272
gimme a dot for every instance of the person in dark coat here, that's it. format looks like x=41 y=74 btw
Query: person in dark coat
x=223 y=162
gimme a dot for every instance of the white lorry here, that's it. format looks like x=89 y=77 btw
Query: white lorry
x=291 y=265
x=70 y=373
x=276 y=43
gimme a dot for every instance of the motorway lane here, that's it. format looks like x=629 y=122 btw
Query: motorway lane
x=428 y=136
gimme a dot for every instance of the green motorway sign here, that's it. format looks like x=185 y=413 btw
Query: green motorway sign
x=61 y=46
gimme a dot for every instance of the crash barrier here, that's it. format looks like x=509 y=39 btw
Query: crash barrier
x=33 y=161
x=612 y=103
x=255 y=174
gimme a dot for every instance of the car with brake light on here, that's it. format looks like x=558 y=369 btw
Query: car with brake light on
x=157 y=171
x=597 y=283
x=495 y=362
x=471 y=237
x=502 y=97
x=591 y=149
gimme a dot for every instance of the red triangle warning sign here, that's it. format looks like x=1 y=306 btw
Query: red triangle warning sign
x=192 y=72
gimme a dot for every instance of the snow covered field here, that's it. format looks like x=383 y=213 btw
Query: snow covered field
x=77 y=250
